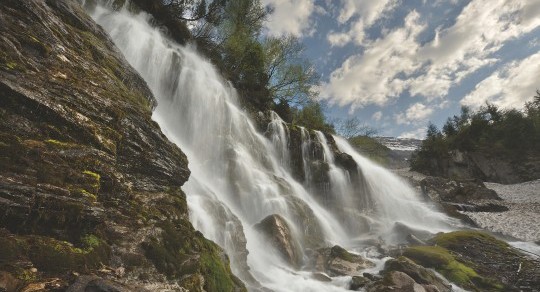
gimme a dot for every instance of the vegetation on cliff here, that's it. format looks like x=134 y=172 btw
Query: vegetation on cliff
x=269 y=73
x=507 y=134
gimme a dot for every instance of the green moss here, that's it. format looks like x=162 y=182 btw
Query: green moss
x=456 y=238
x=11 y=65
x=182 y=251
x=59 y=144
x=444 y=262
x=51 y=255
x=339 y=252
x=90 y=241
x=95 y=177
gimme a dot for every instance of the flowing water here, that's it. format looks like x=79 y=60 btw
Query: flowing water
x=240 y=175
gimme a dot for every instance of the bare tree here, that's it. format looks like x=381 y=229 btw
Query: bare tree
x=353 y=127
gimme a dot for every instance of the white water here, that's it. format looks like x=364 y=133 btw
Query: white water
x=239 y=176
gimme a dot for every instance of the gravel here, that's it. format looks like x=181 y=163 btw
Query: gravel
x=522 y=220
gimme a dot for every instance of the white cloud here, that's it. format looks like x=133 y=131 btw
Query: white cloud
x=415 y=113
x=396 y=62
x=289 y=17
x=377 y=116
x=415 y=134
x=510 y=86
x=369 y=78
x=367 y=12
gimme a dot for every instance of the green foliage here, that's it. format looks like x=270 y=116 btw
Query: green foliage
x=291 y=77
x=494 y=131
x=312 y=116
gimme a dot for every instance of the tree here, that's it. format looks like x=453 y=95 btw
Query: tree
x=291 y=77
x=311 y=115
x=353 y=127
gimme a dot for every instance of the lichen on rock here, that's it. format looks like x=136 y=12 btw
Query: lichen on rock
x=88 y=182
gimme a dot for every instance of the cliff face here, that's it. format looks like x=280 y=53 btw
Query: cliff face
x=88 y=183
x=486 y=167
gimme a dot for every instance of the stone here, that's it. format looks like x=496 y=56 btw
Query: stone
x=8 y=282
x=358 y=282
x=418 y=273
x=396 y=282
x=321 y=277
x=277 y=230
x=336 y=261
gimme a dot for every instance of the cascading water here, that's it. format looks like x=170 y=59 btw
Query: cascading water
x=239 y=176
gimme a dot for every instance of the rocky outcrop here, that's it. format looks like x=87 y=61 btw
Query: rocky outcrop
x=336 y=261
x=277 y=231
x=456 y=191
x=87 y=179
x=456 y=196
x=487 y=167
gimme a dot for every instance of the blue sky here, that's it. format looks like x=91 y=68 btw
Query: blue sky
x=397 y=64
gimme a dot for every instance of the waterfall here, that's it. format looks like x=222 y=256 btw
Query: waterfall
x=240 y=175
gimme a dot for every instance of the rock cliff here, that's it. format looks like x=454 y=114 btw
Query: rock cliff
x=88 y=183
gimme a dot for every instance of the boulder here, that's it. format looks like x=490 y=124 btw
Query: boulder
x=279 y=234
x=358 y=282
x=418 y=273
x=396 y=282
x=336 y=261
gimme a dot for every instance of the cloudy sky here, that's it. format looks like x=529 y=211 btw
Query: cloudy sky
x=397 y=64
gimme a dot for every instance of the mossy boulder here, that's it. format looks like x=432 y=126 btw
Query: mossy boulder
x=180 y=252
x=477 y=261
x=420 y=274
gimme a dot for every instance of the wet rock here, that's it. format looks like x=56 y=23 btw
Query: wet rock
x=336 y=261
x=321 y=277
x=396 y=282
x=358 y=282
x=418 y=273
x=401 y=233
x=277 y=230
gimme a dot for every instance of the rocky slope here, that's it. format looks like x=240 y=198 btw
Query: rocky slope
x=88 y=183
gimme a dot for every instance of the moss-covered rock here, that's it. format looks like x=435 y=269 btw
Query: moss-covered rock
x=86 y=176
x=420 y=274
x=477 y=261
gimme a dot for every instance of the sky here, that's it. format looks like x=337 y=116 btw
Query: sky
x=399 y=64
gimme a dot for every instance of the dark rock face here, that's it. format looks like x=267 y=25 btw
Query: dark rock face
x=454 y=196
x=86 y=177
x=445 y=190
x=479 y=165
x=277 y=230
